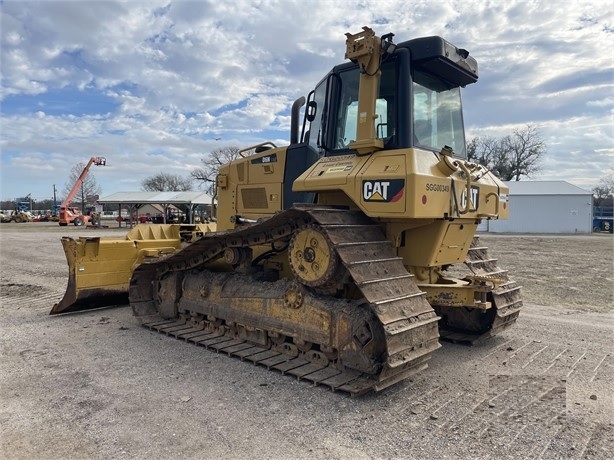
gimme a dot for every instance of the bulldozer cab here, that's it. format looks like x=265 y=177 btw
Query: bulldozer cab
x=418 y=101
x=403 y=100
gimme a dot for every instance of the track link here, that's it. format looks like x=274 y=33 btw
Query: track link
x=506 y=299
x=408 y=321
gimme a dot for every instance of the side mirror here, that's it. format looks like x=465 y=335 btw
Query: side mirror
x=311 y=110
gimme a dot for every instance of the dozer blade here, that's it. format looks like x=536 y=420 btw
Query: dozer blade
x=100 y=268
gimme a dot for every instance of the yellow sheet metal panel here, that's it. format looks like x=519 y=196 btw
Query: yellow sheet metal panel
x=266 y=167
x=439 y=243
x=329 y=173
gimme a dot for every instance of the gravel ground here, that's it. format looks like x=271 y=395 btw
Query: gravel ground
x=96 y=385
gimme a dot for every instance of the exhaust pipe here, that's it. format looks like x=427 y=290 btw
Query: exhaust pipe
x=294 y=122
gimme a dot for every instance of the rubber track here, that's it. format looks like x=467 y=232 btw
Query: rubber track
x=409 y=322
x=506 y=298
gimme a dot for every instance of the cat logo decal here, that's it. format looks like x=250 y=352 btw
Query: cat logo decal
x=384 y=191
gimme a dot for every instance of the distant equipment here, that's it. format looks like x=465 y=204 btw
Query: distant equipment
x=603 y=219
x=73 y=215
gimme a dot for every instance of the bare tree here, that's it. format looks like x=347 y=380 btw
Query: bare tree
x=483 y=150
x=472 y=150
x=524 y=148
x=512 y=156
x=603 y=194
x=211 y=165
x=89 y=188
x=166 y=182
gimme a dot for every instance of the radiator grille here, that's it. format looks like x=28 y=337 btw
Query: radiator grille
x=254 y=198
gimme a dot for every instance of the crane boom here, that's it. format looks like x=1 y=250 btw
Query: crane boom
x=70 y=214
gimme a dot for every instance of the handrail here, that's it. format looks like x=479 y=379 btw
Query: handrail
x=254 y=147
x=468 y=202
x=496 y=195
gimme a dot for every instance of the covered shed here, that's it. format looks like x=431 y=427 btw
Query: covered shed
x=545 y=207
x=137 y=202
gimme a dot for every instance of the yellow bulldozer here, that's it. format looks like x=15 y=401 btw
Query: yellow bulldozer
x=16 y=216
x=334 y=259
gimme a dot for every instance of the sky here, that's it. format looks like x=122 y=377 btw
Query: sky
x=155 y=86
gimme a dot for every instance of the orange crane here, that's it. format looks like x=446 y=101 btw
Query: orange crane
x=73 y=215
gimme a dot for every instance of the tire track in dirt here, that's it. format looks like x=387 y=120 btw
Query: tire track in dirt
x=538 y=357
x=76 y=382
x=528 y=408
x=20 y=296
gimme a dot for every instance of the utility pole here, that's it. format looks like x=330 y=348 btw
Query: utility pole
x=54 y=201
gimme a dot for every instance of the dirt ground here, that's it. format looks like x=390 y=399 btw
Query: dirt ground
x=97 y=385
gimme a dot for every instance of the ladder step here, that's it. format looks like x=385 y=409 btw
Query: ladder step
x=478 y=261
x=359 y=243
x=390 y=278
x=403 y=297
x=362 y=262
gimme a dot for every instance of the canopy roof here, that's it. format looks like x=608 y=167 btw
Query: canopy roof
x=156 y=198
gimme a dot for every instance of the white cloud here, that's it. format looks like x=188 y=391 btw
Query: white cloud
x=184 y=73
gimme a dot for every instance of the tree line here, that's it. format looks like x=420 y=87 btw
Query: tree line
x=511 y=158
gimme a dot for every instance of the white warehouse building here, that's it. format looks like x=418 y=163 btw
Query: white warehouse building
x=544 y=207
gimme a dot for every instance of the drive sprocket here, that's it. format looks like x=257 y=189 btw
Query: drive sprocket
x=313 y=259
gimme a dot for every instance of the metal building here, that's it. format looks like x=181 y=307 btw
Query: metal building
x=544 y=207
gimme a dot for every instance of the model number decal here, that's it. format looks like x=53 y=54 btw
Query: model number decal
x=266 y=159
x=437 y=188
x=387 y=191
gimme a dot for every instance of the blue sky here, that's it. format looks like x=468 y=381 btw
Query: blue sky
x=154 y=86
